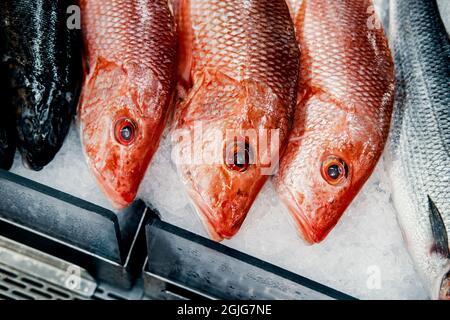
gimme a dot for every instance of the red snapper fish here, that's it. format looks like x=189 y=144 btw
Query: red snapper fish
x=343 y=113
x=238 y=79
x=129 y=83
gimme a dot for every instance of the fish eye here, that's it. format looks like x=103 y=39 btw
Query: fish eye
x=125 y=131
x=237 y=156
x=334 y=170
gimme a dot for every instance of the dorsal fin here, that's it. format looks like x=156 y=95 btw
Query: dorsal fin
x=439 y=231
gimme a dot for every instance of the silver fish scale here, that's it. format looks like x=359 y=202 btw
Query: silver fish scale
x=420 y=138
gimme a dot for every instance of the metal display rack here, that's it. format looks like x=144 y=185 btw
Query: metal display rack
x=56 y=246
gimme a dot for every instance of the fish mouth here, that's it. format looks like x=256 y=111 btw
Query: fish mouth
x=218 y=231
x=308 y=232
x=118 y=200
x=30 y=164
x=444 y=292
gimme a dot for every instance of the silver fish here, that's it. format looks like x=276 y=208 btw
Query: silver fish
x=418 y=151
x=444 y=9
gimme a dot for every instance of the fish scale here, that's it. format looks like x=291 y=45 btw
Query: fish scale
x=343 y=113
x=115 y=40
x=224 y=28
x=346 y=84
x=419 y=143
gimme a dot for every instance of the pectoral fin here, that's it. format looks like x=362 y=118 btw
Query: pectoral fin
x=438 y=229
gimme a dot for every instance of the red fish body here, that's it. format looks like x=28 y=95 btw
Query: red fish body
x=131 y=73
x=343 y=113
x=239 y=73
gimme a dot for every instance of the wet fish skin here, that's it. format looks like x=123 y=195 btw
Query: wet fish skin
x=7 y=128
x=418 y=152
x=239 y=72
x=7 y=146
x=130 y=78
x=7 y=138
x=42 y=57
x=343 y=114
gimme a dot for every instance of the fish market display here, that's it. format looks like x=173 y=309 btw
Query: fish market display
x=343 y=113
x=42 y=57
x=419 y=144
x=364 y=256
x=239 y=73
x=130 y=77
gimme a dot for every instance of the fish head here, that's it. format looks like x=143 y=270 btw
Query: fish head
x=43 y=121
x=439 y=257
x=224 y=160
x=224 y=186
x=121 y=124
x=325 y=165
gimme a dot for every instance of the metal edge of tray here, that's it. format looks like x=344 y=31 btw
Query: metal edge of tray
x=101 y=241
x=29 y=274
x=182 y=264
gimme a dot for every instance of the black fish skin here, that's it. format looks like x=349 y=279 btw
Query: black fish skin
x=7 y=145
x=7 y=128
x=42 y=58
x=7 y=139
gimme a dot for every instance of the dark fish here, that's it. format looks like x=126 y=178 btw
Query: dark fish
x=7 y=130
x=419 y=147
x=42 y=58
x=7 y=146
x=7 y=135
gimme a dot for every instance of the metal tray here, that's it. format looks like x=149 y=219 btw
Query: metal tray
x=184 y=265
x=98 y=240
x=126 y=255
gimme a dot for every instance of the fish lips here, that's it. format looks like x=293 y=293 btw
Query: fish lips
x=30 y=164
x=224 y=204
x=37 y=157
x=314 y=223
x=308 y=231
x=119 y=200
x=219 y=229
x=444 y=290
